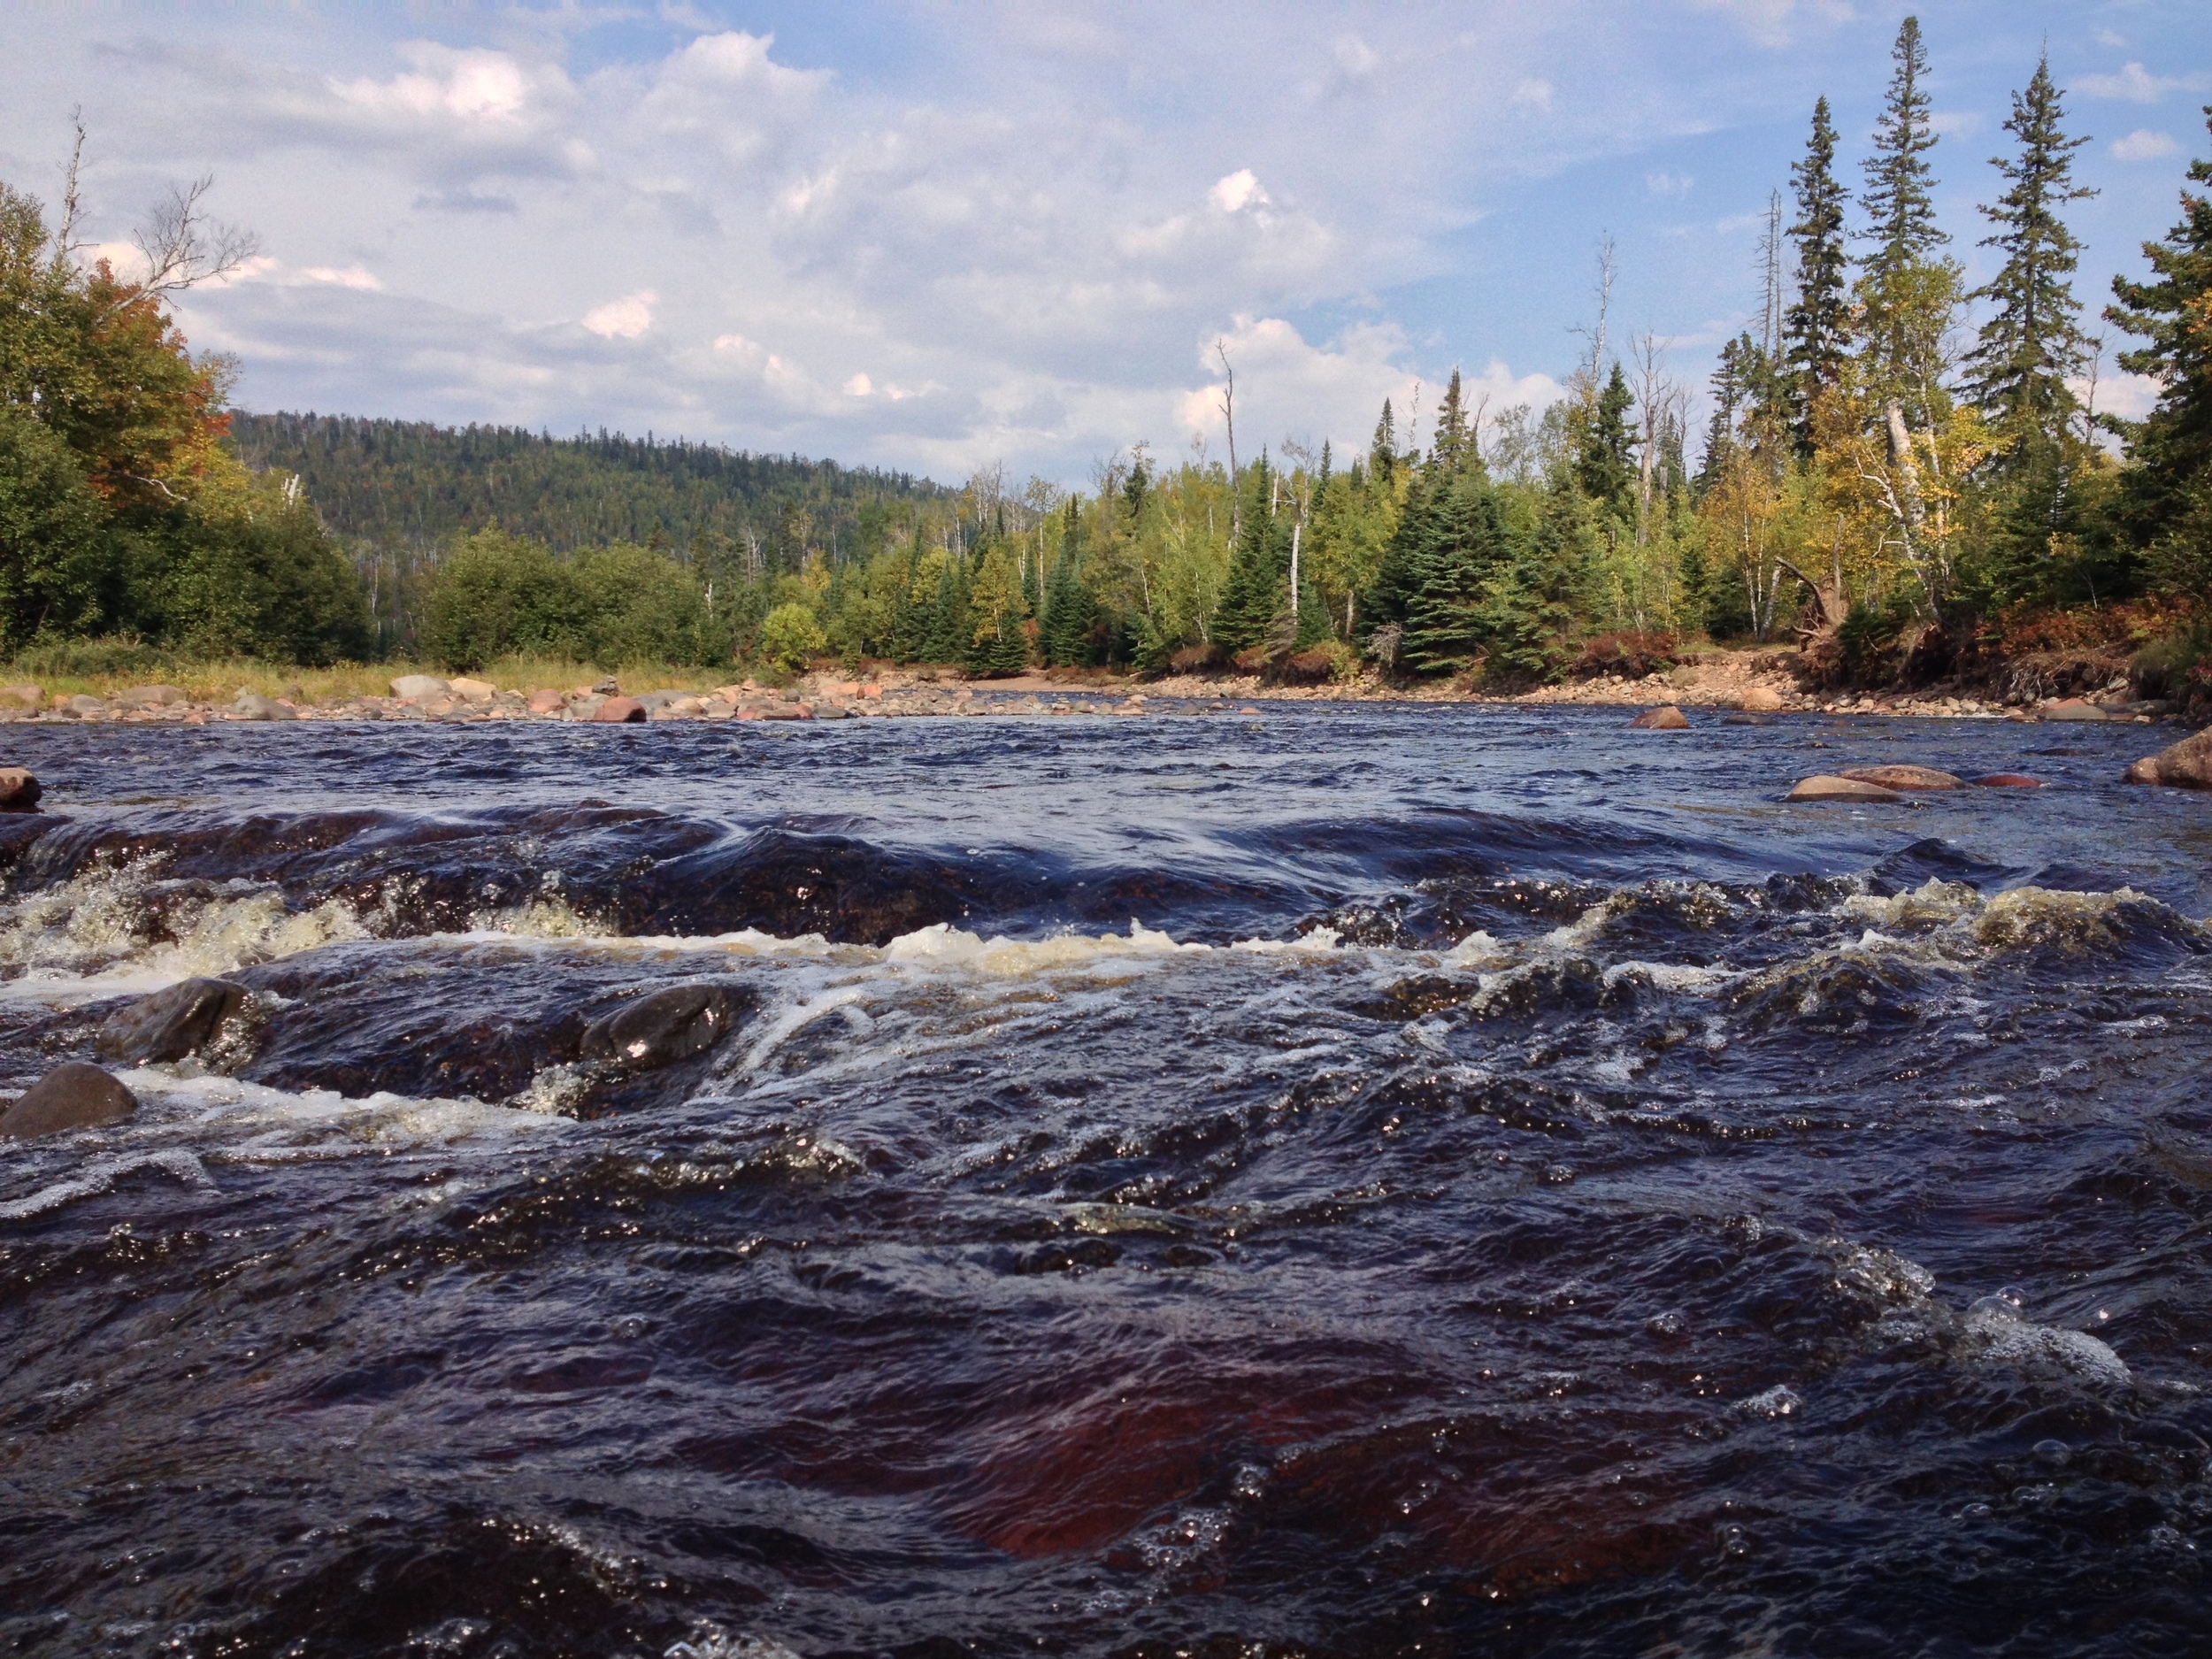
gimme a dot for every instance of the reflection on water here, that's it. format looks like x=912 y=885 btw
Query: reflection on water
x=1464 y=1178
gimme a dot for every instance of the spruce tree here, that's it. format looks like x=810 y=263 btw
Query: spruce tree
x=1259 y=571
x=2018 y=369
x=1382 y=455
x=1465 y=543
x=1899 y=198
x=1815 y=326
x=2166 y=495
x=1605 y=458
x=1065 y=635
x=1455 y=444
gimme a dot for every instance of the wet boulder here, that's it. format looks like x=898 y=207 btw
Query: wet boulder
x=1824 y=788
x=20 y=792
x=179 y=1020
x=1903 y=778
x=2184 y=765
x=666 y=1026
x=70 y=1097
x=1669 y=718
x=619 y=712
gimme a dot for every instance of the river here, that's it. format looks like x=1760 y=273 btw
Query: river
x=1350 y=1180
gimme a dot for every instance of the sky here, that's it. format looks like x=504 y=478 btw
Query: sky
x=932 y=236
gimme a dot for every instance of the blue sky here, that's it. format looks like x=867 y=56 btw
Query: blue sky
x=933 y=236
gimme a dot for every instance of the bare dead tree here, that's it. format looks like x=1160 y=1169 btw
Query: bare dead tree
x=66 y=242
x=1228 y=407
x=182 y=246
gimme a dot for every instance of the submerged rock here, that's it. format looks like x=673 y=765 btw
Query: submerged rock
x=70 y=1097
x=171 y=1024
x=2186 y=765
x=1669 y=718
x=2007 y=780
x=1824 y=788
x=20 y=792
x=1904 y=778
x=664 y=1026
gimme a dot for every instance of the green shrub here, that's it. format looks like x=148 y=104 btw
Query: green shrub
x=790 y=635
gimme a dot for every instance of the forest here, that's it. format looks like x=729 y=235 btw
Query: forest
x=1906 y=476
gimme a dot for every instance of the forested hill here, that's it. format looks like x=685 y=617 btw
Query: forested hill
x=404 y=484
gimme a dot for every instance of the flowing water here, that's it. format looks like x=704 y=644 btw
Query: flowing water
x=1356 y=1180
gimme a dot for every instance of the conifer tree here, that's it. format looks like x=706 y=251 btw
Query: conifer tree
x=1455 y=444
x=2167 y=496
x=1065 y=635
x=1605 y=459
x=1462 y=544
x=1908 y=292
x=2018 y=369
x=1259 y=569
x=1899 y=197
x=1382 y=453
x=1815 y=326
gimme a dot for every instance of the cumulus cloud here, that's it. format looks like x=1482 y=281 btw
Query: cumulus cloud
x=625 y=318
x=2145 y=145
x=546 y=218
x=2136 y=84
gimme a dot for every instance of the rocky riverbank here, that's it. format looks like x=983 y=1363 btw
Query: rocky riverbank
x=1737 y=682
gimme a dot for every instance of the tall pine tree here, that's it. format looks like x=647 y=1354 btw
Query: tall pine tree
x=1258 y=583
x=2167 y=496
x=1908 y=292
x=2032 y=342
x=1816 y=327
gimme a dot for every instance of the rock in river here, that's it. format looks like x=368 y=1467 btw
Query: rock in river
x=2186 y=765
x=2007 y=780
x=70 y=1097
x=1669 y=718
x=19 y=790
x=619 y=712
x=1903 y=778
x=171 y=1024
x=1828 y=789
x=664 y=1026
x=252 y=706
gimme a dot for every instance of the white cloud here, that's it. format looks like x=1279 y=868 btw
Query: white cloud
x=1535 y=94
x=2136 y=84
x=1353 y=57
x=2145 y=145
x=468 y=86
x=859 y=386
x=1769 y=22
x=1668 y=183
x=1240 y=190
x=2129 y=397
x=625 y=318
